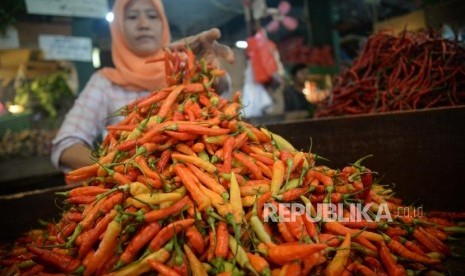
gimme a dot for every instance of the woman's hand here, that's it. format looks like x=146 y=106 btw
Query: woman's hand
x=206 y=45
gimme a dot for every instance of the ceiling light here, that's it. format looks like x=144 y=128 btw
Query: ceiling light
x=241 y=44
x=110 y=16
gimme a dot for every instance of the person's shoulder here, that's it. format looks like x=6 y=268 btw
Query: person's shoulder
x=97 y=84
x=99 y=77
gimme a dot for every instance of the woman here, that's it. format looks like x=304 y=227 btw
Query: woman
x=140 y=30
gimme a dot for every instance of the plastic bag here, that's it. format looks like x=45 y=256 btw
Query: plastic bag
x=255 y=97
x=261 y=53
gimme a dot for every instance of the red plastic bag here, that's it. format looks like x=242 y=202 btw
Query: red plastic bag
x=260 y=51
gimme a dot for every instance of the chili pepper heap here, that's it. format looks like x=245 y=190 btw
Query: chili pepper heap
x=414 y=70
x=183 y=186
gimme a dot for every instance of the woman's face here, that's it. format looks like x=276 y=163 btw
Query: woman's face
x=142 y=27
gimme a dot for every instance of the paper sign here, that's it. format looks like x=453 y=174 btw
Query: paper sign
x=57 y=47
x=10 y=40
x=79 y=8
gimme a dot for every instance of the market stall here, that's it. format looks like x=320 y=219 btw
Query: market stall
x=184 y=184
x=36 y=96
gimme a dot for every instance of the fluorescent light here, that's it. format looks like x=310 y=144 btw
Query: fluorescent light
x=110 y=16
x=241 y=44
x=96 y=58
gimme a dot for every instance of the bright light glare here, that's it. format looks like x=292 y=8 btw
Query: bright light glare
x=241 y=44
x=96 y=58
x=109 y=17
x=15 y=108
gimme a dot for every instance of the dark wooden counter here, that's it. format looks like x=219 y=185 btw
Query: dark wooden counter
x=25 y=174
x=22 y=211
x=421 y=152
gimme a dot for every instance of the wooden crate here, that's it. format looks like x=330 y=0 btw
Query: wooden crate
x=21 y=212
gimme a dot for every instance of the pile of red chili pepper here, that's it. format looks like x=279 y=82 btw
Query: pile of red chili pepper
x=183 y=186
x=405 y=72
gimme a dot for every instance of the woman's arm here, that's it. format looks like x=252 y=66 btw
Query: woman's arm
x=71 y=148
x=76 y=156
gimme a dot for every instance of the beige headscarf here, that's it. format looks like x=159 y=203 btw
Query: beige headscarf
x=131 y=70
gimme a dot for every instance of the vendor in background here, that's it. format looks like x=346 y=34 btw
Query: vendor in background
x=302 y=95
x=294 y=98
x=139 y=31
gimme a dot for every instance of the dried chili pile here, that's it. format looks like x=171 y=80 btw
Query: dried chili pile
x=405 y=72
x=183 y=186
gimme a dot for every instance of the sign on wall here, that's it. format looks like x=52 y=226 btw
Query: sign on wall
x=57 y=47
x=81 y=8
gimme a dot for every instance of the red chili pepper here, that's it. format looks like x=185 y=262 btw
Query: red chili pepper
x=195 y=239
x=228 y=147
x=106 y=247
x=388 y=260
x=287 y=252
x=164 y=159
x=155 y=215
x=163 y=269
x=81 y=199
x=62 y=262
x=222 y=238
x=33 y=270
x=367 y=181
x=168 y=232
x=87 y=239
x=139 y=240
x=375 y=265
x=67 y=230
